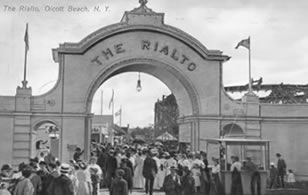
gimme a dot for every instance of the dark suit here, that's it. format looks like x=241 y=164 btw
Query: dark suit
x=110 y=167
x=149 y=171
x=281 y=168
x=172 y=186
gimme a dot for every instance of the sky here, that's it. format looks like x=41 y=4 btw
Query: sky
x=278 y=31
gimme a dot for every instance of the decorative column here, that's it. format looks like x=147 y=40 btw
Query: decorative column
x=22 y=126
x=87 y=136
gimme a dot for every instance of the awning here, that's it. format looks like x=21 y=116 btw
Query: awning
x=166 y=137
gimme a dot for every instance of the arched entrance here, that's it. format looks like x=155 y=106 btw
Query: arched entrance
x=180 y=86
x=141 y=42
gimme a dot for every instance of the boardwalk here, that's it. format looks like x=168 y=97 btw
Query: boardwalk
x=269 y=192
x=135 y=192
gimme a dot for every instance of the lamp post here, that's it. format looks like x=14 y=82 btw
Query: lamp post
x=139 y=88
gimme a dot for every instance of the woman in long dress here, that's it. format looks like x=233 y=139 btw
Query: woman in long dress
x=84 y=180
x=157 y=160
x=236 y=181
x=138 y=180
x=162 y=171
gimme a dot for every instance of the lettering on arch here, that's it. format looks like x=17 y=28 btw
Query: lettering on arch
x=146 y=45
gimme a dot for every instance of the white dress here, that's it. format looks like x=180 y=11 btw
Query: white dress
x=171 y=163
x=156 y=180
x=196 y=173
x=138 y=180
x=290 y=178
x=162 y=173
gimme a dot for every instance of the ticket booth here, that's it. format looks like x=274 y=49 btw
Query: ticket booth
x=256 y=149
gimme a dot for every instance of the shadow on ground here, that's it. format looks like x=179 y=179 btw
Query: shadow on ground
x=287 y=192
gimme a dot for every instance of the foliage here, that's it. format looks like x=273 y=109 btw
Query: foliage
x=145 y=133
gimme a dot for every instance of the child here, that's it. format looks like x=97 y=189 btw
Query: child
x=94 y=180
x=290 y=178
x=273 y=176
x=119 y=185
x=77 y=154
x=196 y=173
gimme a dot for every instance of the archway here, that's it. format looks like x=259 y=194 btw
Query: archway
x=232 y=130
x=141 y=42
x=180 y=86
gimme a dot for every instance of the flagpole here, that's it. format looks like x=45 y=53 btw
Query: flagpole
x=249 y=58
x=24 y=82
x=121 y=116
x=113 y=106
x=102 y=102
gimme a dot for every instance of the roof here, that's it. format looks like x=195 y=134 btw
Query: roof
x=166 y=137
x=237 y=141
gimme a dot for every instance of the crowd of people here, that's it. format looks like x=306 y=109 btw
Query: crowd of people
x=124 y=168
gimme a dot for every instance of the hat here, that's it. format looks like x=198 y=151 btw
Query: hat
x=166 y=154
x=154 y=151
x=186 y=169
x=278 y=154
x=120 y=172
x=42 y=163
x=65 y=168
x=6 y=167
x=82 y=165
x=272 y=164
x=173 y=168
x=35 y=160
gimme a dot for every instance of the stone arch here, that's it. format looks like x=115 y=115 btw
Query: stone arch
x=232 y=130
x=189 y=95
x=40 y=122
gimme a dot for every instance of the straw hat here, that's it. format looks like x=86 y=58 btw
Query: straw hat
x=173 y=168
x=65 y=168
x=6 y=167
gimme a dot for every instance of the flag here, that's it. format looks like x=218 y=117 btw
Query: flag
x=26 y=38
x=244 y=43
x=111 y=100
x=118 y=113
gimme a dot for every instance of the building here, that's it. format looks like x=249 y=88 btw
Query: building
x=101 y=128
x=165 y=116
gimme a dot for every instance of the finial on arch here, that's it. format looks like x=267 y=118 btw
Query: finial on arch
x=143 y=2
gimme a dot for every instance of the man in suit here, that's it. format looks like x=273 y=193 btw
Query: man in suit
x=172 y=182
x=110 y=167
x=149 y=171
x=281 y=169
